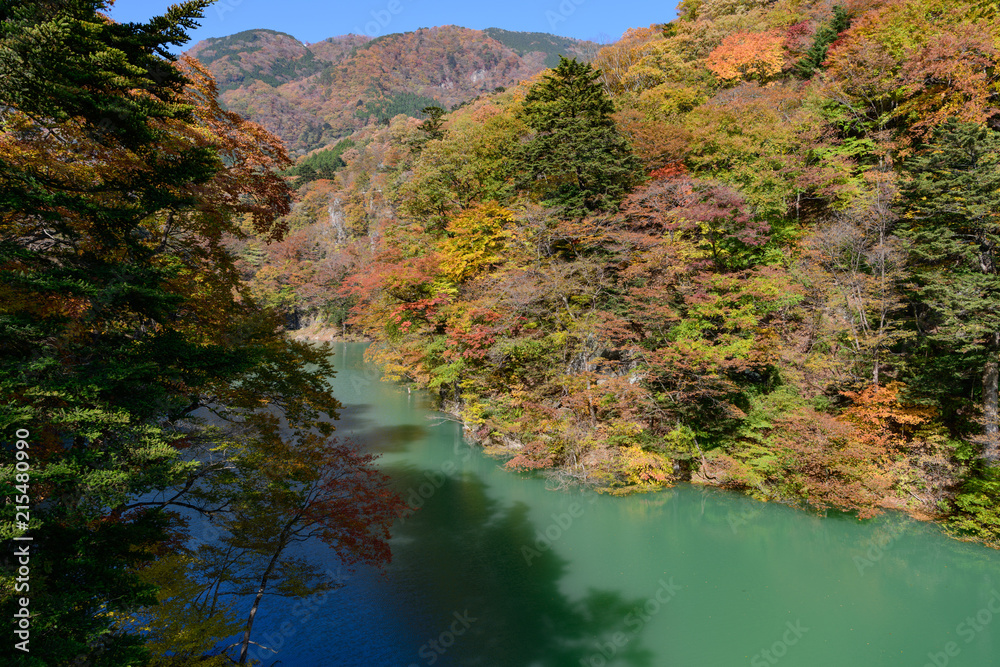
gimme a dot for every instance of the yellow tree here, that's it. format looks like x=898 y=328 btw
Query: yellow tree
x=476 y=240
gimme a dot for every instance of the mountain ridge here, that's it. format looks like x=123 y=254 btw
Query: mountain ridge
x=311 y=95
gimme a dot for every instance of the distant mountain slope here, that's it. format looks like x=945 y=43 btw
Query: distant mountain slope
x=552 y=46
x=269 y=56
x=309 y=95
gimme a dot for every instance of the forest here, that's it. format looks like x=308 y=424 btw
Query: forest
x=165 y=443
x=754 y=247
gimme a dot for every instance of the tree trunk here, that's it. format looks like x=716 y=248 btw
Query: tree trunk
x=991 y=375
x=282 y=543
x=245 y=643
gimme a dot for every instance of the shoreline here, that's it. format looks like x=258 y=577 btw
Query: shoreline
x=322 y=333
x=698 y=476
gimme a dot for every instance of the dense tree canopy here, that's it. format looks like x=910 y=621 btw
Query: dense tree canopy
x=952 y=219
x=754 y=247
x=122 y=313
x=794 y=299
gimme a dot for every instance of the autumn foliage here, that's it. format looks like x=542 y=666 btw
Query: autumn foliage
x=748 y=56
x=125 y=321
x=770 y=297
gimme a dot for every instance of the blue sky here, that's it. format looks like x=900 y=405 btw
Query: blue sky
x=314 y=20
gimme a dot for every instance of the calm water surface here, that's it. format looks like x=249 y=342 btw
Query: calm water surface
x=497 y=570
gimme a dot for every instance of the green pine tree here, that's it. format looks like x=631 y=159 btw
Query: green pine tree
x=432 y=127
x=822 y=40
x=952 y=220
x=576 y=160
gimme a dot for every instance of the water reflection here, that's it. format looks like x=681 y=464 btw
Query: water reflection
x=468 y=549
x=394 y=438
x=460 y=591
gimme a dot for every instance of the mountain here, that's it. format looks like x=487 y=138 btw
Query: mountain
x=268 y=56
x=310 y=95
x=552 y=46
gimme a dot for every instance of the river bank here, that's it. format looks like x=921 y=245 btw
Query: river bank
x=690 y=575
x=711 y=469
x=320 y=332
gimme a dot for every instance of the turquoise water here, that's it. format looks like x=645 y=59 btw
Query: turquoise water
x=495 y=569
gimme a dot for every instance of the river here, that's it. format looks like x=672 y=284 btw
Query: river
x=497 y=570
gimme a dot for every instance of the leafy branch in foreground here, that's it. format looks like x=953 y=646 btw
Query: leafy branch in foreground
x=122 y=313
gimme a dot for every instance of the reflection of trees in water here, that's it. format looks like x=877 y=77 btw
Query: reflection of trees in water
x=395 y=439
x=356 y=424
x=463 y=552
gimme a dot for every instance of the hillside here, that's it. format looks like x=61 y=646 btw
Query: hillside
x=780 y=298
x=552 y=46
x=311 y=94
